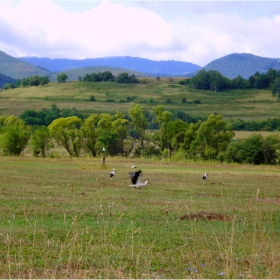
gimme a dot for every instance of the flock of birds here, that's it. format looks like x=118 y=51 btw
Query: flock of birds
x=136 y=178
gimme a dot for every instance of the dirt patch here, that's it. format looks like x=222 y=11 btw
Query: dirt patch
x=204 y=215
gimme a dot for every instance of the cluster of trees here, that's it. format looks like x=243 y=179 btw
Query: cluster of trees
x=45 y=116
x=265 y=125
x=35 y=81
x=105 y=76
x=26 y=82
x=214 y=80
x=123 y=78
x=211 y=139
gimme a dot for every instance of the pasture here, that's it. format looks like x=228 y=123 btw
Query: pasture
x=64 y=218
x=111 y=97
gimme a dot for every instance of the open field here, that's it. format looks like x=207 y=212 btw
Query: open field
x=64 y=218
x=246 y=134
x=112 y=97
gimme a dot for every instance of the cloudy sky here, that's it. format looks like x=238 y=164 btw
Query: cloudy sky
x=191 y=31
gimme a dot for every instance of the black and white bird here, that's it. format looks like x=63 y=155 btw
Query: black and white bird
x=103 y=150
x=133 y=166
x=136 y=179
x=204 y=177
x=112 y=174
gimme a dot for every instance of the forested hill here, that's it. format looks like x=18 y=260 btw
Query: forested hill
x=18 y=69
x=146 y=66
x=244 y=65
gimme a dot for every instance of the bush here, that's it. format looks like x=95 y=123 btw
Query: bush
x=92 y=98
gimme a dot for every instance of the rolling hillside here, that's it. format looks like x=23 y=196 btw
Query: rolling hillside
x=243 y=64
x=229 y=66
x=146 y=66
x=18 y=69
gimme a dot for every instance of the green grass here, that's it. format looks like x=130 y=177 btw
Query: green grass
x=65 y=218
x=110 y=97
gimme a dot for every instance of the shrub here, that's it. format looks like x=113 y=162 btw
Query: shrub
x=92 y=98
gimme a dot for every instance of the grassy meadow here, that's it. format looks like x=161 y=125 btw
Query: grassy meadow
x=110 y=97
x=65 y=218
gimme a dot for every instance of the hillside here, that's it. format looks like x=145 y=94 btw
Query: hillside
x=18 y=69
x=146 y=66
x=243 y=64
x=251 y=104
x=5 y=80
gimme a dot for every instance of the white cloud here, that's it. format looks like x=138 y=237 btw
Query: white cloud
x=110 y=29
x=161 y=30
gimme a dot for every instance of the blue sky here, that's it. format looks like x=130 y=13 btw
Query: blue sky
x=192 y=31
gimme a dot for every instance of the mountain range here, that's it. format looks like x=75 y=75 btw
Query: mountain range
x=230 y=66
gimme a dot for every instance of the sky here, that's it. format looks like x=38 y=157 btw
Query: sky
x=191 y=31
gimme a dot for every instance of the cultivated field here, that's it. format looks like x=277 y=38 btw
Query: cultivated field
x=110 y=97
x=65 y=218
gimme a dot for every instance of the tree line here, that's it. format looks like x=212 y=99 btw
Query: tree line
x=28 y=82
x=214 y=80
x=121 y=135
x=46 y=115
x=107 y=76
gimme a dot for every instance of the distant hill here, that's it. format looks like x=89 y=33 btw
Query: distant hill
x=145 y=66
x=18 y=69
x=5 y=80
x=243 y=64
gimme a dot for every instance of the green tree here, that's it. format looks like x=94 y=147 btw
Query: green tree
x=214 y=135
x=34 y=81
x=162 y=118
x=216 y=80
x=62 y=77
x=125 y=78
x=176 y=130
x=201 y=80
x=234 y=152
x=66 y=133
x=139 y=121
x=90 y=134
x=41 y=141
x=120 y=126
x=271 y=144
x=44 y=80
x=14 y=135
x=252 y=149
x=191 y=143
x=107 y=137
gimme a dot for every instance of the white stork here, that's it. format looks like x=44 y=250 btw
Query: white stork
x=204 y=177
x=136 y=179
x=112 y=174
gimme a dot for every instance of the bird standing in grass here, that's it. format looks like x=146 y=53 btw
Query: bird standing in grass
x=204 y=177
x=136 y=179
x=112 y=174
